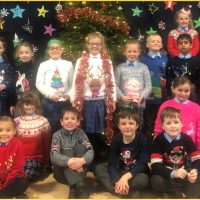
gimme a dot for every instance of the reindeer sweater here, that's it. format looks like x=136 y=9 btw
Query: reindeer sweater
x=190 y=114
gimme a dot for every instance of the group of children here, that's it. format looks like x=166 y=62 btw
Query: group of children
x=133 y=92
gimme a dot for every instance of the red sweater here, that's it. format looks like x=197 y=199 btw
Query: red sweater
x=35 y=134
x=11 y=162
x=172 y=42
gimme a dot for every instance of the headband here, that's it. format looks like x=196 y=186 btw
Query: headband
x=53 y=41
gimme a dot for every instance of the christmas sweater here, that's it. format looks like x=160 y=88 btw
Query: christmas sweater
x=11 y=162
x=172 y=42
x=190 y=115
x=156 y=66
x=132 y=157
x=189 y=67
x=35 y=134
x=180 y=153
x=133 y=80
x=94 y=83
x=54 y=76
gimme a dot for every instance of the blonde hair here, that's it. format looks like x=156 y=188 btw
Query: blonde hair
x=8 y=119
x=23 y=44
x=96 y=35
x=191 y=25
x=132 y=41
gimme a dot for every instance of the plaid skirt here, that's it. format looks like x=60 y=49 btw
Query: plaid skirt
x=93 y=116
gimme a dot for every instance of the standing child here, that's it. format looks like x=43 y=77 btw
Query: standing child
x=54 y=79
x=190 y=111
x=6 y=81
x=13 y=182
x=156 y=61
x=25 y=70
x=127 y=168
x=184 y=65
x=71 y=153
x=175 y=161
x=133 y=80
x=35 y=133
x=94 y=92
x=185 y=25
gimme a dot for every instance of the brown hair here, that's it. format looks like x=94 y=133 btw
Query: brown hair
x=180 y=80
x=128 y=114
x=132 y=41
x=69 y=109
x=8 y=119
x=29 y=97
x=169 y=112
x=23 y=44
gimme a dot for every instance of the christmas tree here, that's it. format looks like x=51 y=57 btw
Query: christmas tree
x=57 y=80
x=80 y=18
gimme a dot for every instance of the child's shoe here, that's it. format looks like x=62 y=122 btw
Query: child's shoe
x=82 y=191
x=72 y=192
x=134 y=194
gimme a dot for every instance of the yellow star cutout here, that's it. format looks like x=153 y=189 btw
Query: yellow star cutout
x=1 y=24
x=42 y=11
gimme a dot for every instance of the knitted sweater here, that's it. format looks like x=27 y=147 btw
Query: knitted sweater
x=35 y=134
x=11 y=162
x=54 y=76
x=132 y=157
x=64 y=140
x=166 y=156
x=172 y=42
x=190 y=114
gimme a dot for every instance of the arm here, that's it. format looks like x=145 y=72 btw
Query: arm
x=195 y=45
x=171 y=45
x=114 y=84
x=70 y=76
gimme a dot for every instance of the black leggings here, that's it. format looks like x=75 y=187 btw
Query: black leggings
x=15 y=188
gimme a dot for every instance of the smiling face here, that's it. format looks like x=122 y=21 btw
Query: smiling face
x=69 y=121
x=94 y=45
x=7 y=131
x=183 y=20
x=55 y=51
x=25 y=54
x=154 y=43
x=132 y=52
x=29 y=109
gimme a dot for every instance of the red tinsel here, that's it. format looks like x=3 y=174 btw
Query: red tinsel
x=81 y=75
x=65 y=16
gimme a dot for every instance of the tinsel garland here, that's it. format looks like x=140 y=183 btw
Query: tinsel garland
x=109 y=90
x=65 y=16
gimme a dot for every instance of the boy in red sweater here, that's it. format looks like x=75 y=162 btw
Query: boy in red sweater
x=13 y=182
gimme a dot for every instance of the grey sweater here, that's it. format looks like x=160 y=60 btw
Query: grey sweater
x=64 y=141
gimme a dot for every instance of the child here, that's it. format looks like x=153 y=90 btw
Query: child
x=190 y=111
x=94 y=92
x=71 y=153
x=185 y=25
x=35 y=133
x=6 y=81
x=133 y=80
x=26 y=69
x=156 y=61
x=127 y=164
x=184 y=64
x=175 y=161
x=13 y=182
x=54 y=79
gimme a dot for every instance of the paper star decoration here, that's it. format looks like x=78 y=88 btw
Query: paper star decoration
x=58 y=7
x=4 y=12
x=151 y=31
x=169 y=5
x=17 y=12
x=42 y=11
x=153 y=8
x=161 y=25
x=197 y=22
x=140 y=37
x=49 y=29
x=136 y=11
x=1 y=24
x=27 y=27
x=35 y=49
x=17 y=40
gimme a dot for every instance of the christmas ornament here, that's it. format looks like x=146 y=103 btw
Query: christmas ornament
x=49 y=29
x=153 y=8
x=42 y=11
x=58 y=7
x=169 y=5
x=17 y=11
x=161 y=25
x=151 y=31
x=140 y=36
x=4 y=12
x=136 y=11
x=120 y=8
x=1 y=24
x=197 y=23
x=17 y=40
x=27 y=27
x=35 y=49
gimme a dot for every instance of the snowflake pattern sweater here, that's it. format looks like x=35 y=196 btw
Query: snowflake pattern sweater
x=35 y=134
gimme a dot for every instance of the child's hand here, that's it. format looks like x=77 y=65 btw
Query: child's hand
x=126 y=99
x=192 y=176
x=2 y=87
x=180 y=173
x=76 y=163
x=55 y=97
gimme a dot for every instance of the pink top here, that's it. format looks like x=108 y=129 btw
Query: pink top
x=190 y=113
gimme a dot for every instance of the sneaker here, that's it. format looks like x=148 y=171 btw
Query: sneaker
x=72 y=192
x=134 y=194
x=82 y=191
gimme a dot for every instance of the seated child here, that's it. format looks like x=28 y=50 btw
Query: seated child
x=127 y=169
x=71 y=152
x=13 y=182
x=175 y=161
